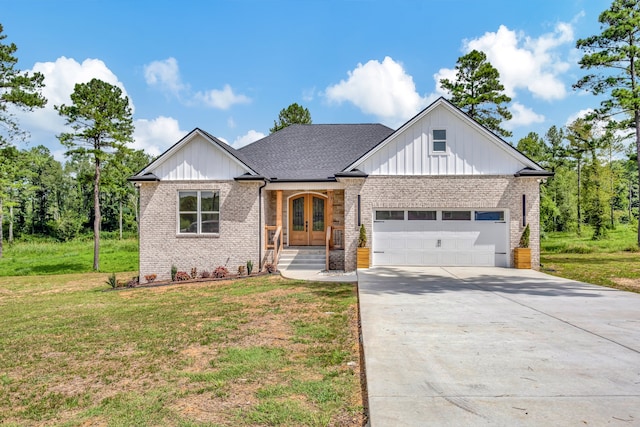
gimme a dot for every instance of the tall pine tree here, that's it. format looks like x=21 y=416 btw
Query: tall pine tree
x=102 y=123
x=615 y=55
x=477 y=91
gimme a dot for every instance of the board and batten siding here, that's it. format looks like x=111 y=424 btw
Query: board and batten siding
x=469 y=150
x=199 y=160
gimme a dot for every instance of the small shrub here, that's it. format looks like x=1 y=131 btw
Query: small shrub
x=112 y=281
x=150 y=277
x=174 y=271
x=135 y=281
x=182 y=276
x=270 y=268
x=249 y=267
x=194 y=272
x=220 y=272
x=205 y=274
x=362 y=237
x=241 y=270
x=121 y=283
x=524 y=239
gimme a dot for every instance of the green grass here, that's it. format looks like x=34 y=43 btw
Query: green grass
x=613 y=261
x=73 y=352
x=48 y=257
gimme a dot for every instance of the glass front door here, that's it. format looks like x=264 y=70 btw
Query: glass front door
x=307 y=223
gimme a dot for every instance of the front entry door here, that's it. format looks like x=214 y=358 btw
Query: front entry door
x=307 y=214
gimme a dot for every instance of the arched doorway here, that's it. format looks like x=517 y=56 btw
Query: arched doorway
x=307 y=219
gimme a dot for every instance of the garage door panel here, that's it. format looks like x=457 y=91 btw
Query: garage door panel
x=440 y=243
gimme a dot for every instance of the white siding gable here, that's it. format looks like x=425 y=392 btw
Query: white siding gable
x=198 y=159
x=471 y=150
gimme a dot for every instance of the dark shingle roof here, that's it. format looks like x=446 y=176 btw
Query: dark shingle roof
x=312 y=152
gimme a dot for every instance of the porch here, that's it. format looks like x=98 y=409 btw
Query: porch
x=305 y=220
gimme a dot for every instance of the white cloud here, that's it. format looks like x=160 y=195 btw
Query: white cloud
x=444 y=73
x=157 y=135
x=522 y=116
x=165 y=75
x=579 y=115
x=248 y=138
x=383 y=89
x=527 y=63
x=60 y=78
x=309 y=94
x=231 y=123
x=221 y=99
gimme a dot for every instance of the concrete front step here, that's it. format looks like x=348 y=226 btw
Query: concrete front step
x=302 y=259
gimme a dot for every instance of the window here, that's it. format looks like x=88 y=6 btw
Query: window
x=421 y=215
x=489 y=216
x=456 y=215
x=199 y=212
x=390 y=215
x=439 y=141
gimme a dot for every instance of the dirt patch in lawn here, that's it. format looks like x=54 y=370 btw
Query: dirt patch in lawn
x=627 y=284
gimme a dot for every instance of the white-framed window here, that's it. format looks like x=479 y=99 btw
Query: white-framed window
x=198 y=212
x=389 y=215
x=456 y=215
x=421 y=215
x=497 y=216
x=438 y=141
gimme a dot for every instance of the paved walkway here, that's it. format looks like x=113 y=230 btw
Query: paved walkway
x=319 y=276
x=491 y=346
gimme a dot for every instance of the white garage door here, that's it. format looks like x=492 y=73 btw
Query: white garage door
x=440 y=237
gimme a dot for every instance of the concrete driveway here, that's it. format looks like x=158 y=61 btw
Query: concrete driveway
x=491 y=346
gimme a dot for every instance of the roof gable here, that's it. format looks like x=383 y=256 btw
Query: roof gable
x=471 y=149
x=198 y=156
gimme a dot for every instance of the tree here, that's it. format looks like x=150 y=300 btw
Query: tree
x=584 y=138
x=533 y=147
x=122 y=193
x=616 y=52
x=9 y=170
x=101 y=120
x=17 y=88
x=478 y=92
x=293 y=114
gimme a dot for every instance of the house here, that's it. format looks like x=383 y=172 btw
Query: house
x=439 y=191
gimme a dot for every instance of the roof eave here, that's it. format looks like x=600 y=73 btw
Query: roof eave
x=249 y=178
x=532 y=173
x=147 y=177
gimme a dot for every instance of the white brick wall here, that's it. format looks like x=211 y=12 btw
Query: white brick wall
x=161 y=247
x=443 y=192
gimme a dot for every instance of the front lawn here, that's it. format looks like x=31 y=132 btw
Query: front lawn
x=41 y=257
x=613 y=262
x=259 y=351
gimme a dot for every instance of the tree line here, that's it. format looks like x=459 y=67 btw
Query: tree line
x=595 y=177
x=44 y=197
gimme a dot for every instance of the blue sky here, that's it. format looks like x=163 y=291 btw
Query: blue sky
x=229 y=67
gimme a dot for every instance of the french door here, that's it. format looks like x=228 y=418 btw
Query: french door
x=307 y=220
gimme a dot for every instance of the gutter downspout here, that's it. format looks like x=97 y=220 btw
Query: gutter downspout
x=260 y=225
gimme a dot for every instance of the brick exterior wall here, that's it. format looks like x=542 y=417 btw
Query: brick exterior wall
x=443 y=192
x=161 y=246
x=238 y=240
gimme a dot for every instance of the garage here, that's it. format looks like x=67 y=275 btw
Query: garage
x=443 y=237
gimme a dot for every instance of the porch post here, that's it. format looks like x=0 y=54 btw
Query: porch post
x=330 y=214
x=279 y=208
